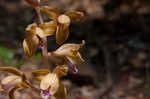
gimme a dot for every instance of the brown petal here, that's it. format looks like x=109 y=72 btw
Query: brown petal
x=75 y=16
x=11 y=80
x=69 y=49
x=33 y=29
x=61 y=93
x=48 y=28
x=50 y=81
x=77 y=59
x=12 y=92
x=61 y=70
x=30 y=29
x=39 y=74
x=25 y=84
x=51 y=12
x=30 y=45
x=11 y=70
x=61 y=34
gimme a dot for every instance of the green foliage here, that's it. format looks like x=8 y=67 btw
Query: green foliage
x=7 y=56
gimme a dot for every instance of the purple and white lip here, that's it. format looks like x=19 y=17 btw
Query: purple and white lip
x=45 y=94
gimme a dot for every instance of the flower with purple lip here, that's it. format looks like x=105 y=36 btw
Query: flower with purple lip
x=14 y=82
x=50 y=85
x=45 y=94
x=70 y=55
x=35 y=34
x=62 y=21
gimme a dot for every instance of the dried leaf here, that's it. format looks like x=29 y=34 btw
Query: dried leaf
x=11 y=70
x=75 y=16
x=48 y=28
x=12 y=92
x=51 y=12
x=61 y=70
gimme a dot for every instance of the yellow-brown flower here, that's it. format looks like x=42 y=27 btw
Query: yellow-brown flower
x=17 y=81
x=35 y=34
x=50 y=84
x=62 y=21
x=70 y=54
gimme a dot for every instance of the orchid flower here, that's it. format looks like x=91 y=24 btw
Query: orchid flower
x=35 y=35
x=70 y=54
x=62 y=21
x=15 y=82
x=50 y=85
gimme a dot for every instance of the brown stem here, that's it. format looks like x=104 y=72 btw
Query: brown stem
x=44 y=49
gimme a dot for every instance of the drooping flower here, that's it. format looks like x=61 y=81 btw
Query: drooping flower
x=70 y=54
x=16 y=81
x=35 y=34
x=50 y=85
x=62 y=21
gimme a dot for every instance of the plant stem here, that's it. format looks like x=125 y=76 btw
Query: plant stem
x=44 y=48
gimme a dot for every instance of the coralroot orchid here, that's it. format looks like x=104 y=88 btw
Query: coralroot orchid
x=15 y=82
x=70 y=54
x=50 y=84
x=62 y=21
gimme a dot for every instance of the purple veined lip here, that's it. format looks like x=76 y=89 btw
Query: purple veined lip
x=73 y=67
x=45 y=94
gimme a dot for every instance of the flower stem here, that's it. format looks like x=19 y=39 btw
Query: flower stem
x=44 y=48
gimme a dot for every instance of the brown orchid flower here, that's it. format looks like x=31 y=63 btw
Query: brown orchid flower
x=70 y=54
x=15 y=82
x=35 y=35
x=50 y=84
x=62 y=21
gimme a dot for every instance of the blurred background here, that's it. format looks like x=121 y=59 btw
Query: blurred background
x=117 y=50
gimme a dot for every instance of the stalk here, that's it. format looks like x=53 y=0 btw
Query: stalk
x=44 y=48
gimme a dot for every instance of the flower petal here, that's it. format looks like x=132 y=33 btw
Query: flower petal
x=61 y=93
x=69 y=49
x=11 y=70
x=50 y=81
x=39 y=74
x=77 y=59
x=30 y=29
x=12 y=92
x=30 y=45
x=51 y=12
x=48 y=28
x=61 y=34
x=11 y=80
x=33 y=29
x=75 y=16
x=61 y=70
